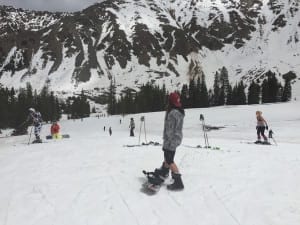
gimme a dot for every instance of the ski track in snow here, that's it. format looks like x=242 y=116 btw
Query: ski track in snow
x=91 y=179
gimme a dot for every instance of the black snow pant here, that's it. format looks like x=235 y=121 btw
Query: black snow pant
x=131 y=132
x=261 y=132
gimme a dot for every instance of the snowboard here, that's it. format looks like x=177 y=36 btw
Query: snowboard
x=153 y=183
x=62 y=136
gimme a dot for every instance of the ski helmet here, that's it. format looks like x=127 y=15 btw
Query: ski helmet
x=174 y=99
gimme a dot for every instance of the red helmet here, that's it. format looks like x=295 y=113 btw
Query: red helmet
x=174 y=99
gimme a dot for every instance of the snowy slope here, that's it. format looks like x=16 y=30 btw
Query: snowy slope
x=92 y=179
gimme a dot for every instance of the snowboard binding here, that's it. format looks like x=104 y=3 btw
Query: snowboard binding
x=153 y=178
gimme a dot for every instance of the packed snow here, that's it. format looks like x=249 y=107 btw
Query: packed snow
x=92 y=178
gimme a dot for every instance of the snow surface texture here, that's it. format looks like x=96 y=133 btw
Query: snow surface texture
x=92 y=179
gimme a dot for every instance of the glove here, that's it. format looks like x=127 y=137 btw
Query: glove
x=267 y=127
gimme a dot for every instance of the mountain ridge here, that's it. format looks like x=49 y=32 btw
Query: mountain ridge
x=152 y=40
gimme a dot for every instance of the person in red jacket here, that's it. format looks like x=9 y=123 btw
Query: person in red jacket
x=55 y=130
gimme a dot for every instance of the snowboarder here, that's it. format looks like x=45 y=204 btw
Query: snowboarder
x=55 y=130
x=172 y=137
x=36 y=118
x=110 y=131
x=260 y=127
x=132 y=126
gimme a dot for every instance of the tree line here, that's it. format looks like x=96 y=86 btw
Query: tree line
x=151 y=98
x=14 y=105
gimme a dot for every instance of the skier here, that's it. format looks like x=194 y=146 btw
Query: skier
x=110 y=131
x=36 y=118
x=172 y=137
x=55 y=130
x=260 y=127
x=132 y=126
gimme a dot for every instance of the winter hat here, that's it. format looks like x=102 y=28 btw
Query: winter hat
x=174 y=99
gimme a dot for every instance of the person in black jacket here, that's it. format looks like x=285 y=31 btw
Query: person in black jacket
x=132 y=126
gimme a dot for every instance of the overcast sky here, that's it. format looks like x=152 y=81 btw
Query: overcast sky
x=50 y=5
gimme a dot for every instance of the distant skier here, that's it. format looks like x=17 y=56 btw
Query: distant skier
x=104 y=128
x=110 y=131
x=172 y=137
x=36 y=119
x=132 y=126
x=55 y=130
x=260 y=127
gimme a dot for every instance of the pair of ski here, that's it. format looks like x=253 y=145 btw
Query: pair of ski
x=144 y=144
x=257 y=142
x=203 y=147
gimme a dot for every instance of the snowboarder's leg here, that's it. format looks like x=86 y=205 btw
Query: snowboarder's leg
x=169 y=160
x=57 y=136
x=263 y=134
x=37 y=131
x=258 y=134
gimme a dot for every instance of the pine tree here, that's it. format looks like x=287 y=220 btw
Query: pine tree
x=204 y=99
x=216 y=90
x=192 y=97
x=253 y=93
x=270 y=88
x=111 y=98
x=229 y=99
x=197 y=94
x=184 y=95
x=265 y=92
x=287 y=91
x=224 y=82
x=221 y=100
x=241 y=93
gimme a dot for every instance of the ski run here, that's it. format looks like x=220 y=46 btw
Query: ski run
x=92 y=179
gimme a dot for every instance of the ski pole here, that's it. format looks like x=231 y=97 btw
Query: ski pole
x=145 y=131
x=140 y=133
x=274 y=141
x=30 y=135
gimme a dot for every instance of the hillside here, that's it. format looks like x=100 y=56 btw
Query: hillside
x=137 y=41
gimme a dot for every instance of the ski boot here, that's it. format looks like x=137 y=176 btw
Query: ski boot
x=177 y=185
x=37 y=140
x=258 y=141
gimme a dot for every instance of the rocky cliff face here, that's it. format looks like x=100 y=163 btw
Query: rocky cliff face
x=136 y=41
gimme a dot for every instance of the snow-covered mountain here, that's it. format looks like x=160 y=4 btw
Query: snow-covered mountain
x=136 y=41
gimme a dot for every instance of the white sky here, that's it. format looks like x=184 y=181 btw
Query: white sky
x=50 y=5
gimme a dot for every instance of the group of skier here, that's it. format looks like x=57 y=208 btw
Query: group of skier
x=35 y=118
x=172 y=137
